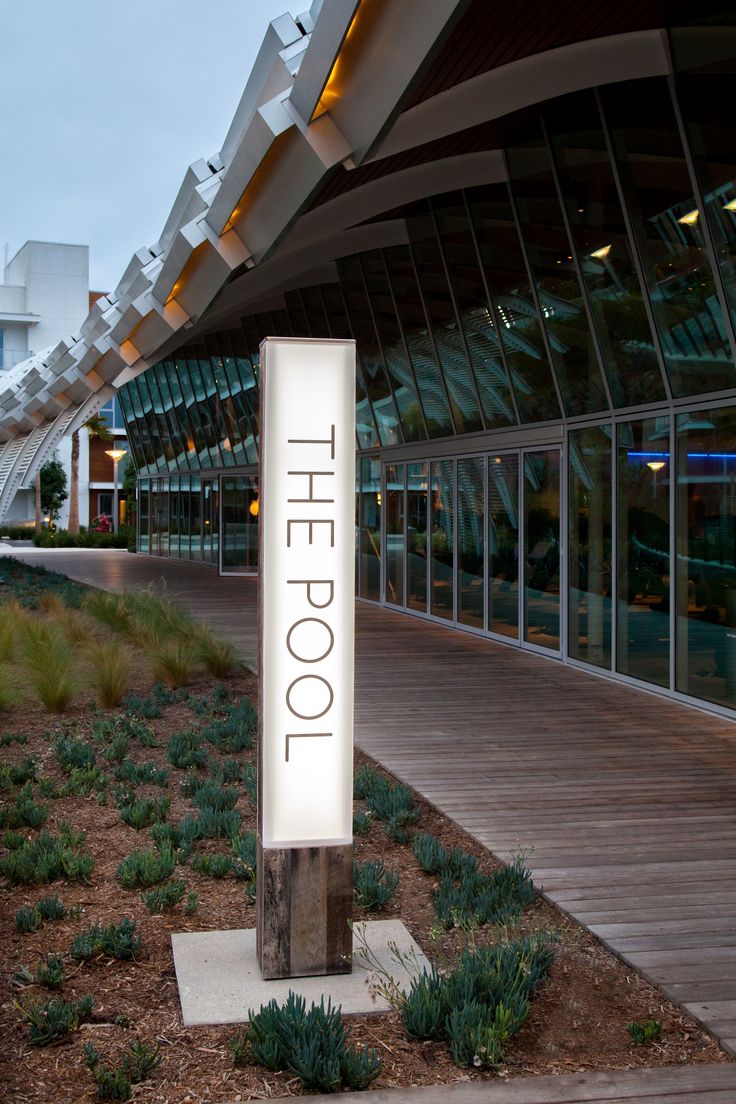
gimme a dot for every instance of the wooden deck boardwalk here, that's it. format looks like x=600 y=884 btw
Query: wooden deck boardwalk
x=628 y=800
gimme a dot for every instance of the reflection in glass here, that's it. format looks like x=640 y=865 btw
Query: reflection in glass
x=395 y=534
x=144 y=512
x=195 y=519
x=542 y=548
x=604 y=253
x=669 y=229
x=239 y=524
x=506 y=274
x=706 y=555
x=643 y=550
x=443 y=322
x=503 y=545
x=570 y=340
x=442 y=523
x=589 y=512
x=369 y=542
x=478 y=327
x=471 y=545
x=416 y=537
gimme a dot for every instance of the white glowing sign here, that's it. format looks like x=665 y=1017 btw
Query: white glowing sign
x=307 y=520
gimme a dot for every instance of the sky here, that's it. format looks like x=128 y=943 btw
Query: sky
x=104 y=105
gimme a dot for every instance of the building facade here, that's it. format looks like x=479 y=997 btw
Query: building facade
x=529 y=231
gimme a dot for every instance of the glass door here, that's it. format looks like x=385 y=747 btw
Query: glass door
x=239 y=539
x=395 y=535
x=542 y=559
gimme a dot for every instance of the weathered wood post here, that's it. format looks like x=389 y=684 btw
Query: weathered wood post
x=306 y=603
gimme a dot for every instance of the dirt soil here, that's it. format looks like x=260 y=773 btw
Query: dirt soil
x=578 y=1017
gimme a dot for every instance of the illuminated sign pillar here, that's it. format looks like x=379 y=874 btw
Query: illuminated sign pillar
x=307 y=592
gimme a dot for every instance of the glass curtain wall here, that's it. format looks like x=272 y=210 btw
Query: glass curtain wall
x=590 y=584
x=239 y=538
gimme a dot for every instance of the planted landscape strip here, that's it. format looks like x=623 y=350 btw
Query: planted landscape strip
x=123 y=825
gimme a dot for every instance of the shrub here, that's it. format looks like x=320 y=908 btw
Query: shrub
x=213 y=866
x=73 y=754
x=145 y=811
x=55 y=1019
x=645 y=1031
x=50 y=971
x=116 y=940
x=429 y=853
x=117 y=750
x=225 y=770
x=374 y=885
x=28 y=919
x=138 y=1063
x=480 y=899
x=25 y=812
x=212 y=796
x=141 y=774
x=170 y=837
x=312 y=1043
x=481 y=1003
x=142 y=869
x=50 y=668
x=191 y=903
x=185 y=751
x=233 y=732
x=111 y=666
x=13 y=738
x=164 y=897
x=83 y=780
x=44 y=860
x=172 y=661
x=244 y=850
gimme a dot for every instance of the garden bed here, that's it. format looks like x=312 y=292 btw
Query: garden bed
x=578 y=1017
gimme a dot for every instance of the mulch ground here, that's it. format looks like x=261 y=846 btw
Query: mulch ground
x=578 y=1019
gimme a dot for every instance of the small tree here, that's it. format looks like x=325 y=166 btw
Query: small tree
x=53 y=487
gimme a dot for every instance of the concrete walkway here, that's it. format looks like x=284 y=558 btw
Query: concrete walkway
x=628 y=800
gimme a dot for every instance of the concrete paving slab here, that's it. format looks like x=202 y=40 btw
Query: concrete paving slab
x=220 y=982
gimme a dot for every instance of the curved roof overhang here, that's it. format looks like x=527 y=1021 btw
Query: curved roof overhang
x=324 y=95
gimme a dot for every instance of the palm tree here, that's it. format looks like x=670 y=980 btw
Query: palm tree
x=96 y=427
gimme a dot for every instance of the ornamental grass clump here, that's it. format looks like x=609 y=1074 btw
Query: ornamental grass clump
x=310 y=1042
x=171 y=661
x=217 y=656
x=142 y=869
x=141 y=774
x=111 y=668
x=110 y=609
x=17 y=774
x=115 y=940
x=8 y=636
x=211 y=824
x=55 y=1019
x=210 y=795
x=480 y=1004
x=73 y=754
x=373 y=884
x=50 y=971
x=49 y=665
x=9 y=695
x=233 y=732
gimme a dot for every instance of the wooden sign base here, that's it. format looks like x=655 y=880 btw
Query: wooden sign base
x=305 y=899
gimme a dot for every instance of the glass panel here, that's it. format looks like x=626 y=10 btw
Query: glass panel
x=208 y=521
x=160 y=535
x=479 y=330
x=542 y=548
x=706 y=555
x=416 y=537
x=521 y=335
x=413 y=320
x=318 y=324
x=604 y=251
x=374 y=371
x=643 y=550
x=239 y=524
x=471 y=542
x=670 y=236
x=705 y=93
x=443 y=323
x=503 y=545
x=548 y=249
x=370 y=529
x=144 y=507
x=195 y=520
x=395 y=540
x=174 y=517
x=589 y=512
x=392 y=344
x=442 y=476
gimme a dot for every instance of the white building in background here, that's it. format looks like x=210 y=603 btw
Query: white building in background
x=44 y=297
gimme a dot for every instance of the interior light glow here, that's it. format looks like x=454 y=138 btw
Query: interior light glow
x=602 y=253
x=690 y=218
x=254 y=508
x=730 y=206
x=656 y=465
